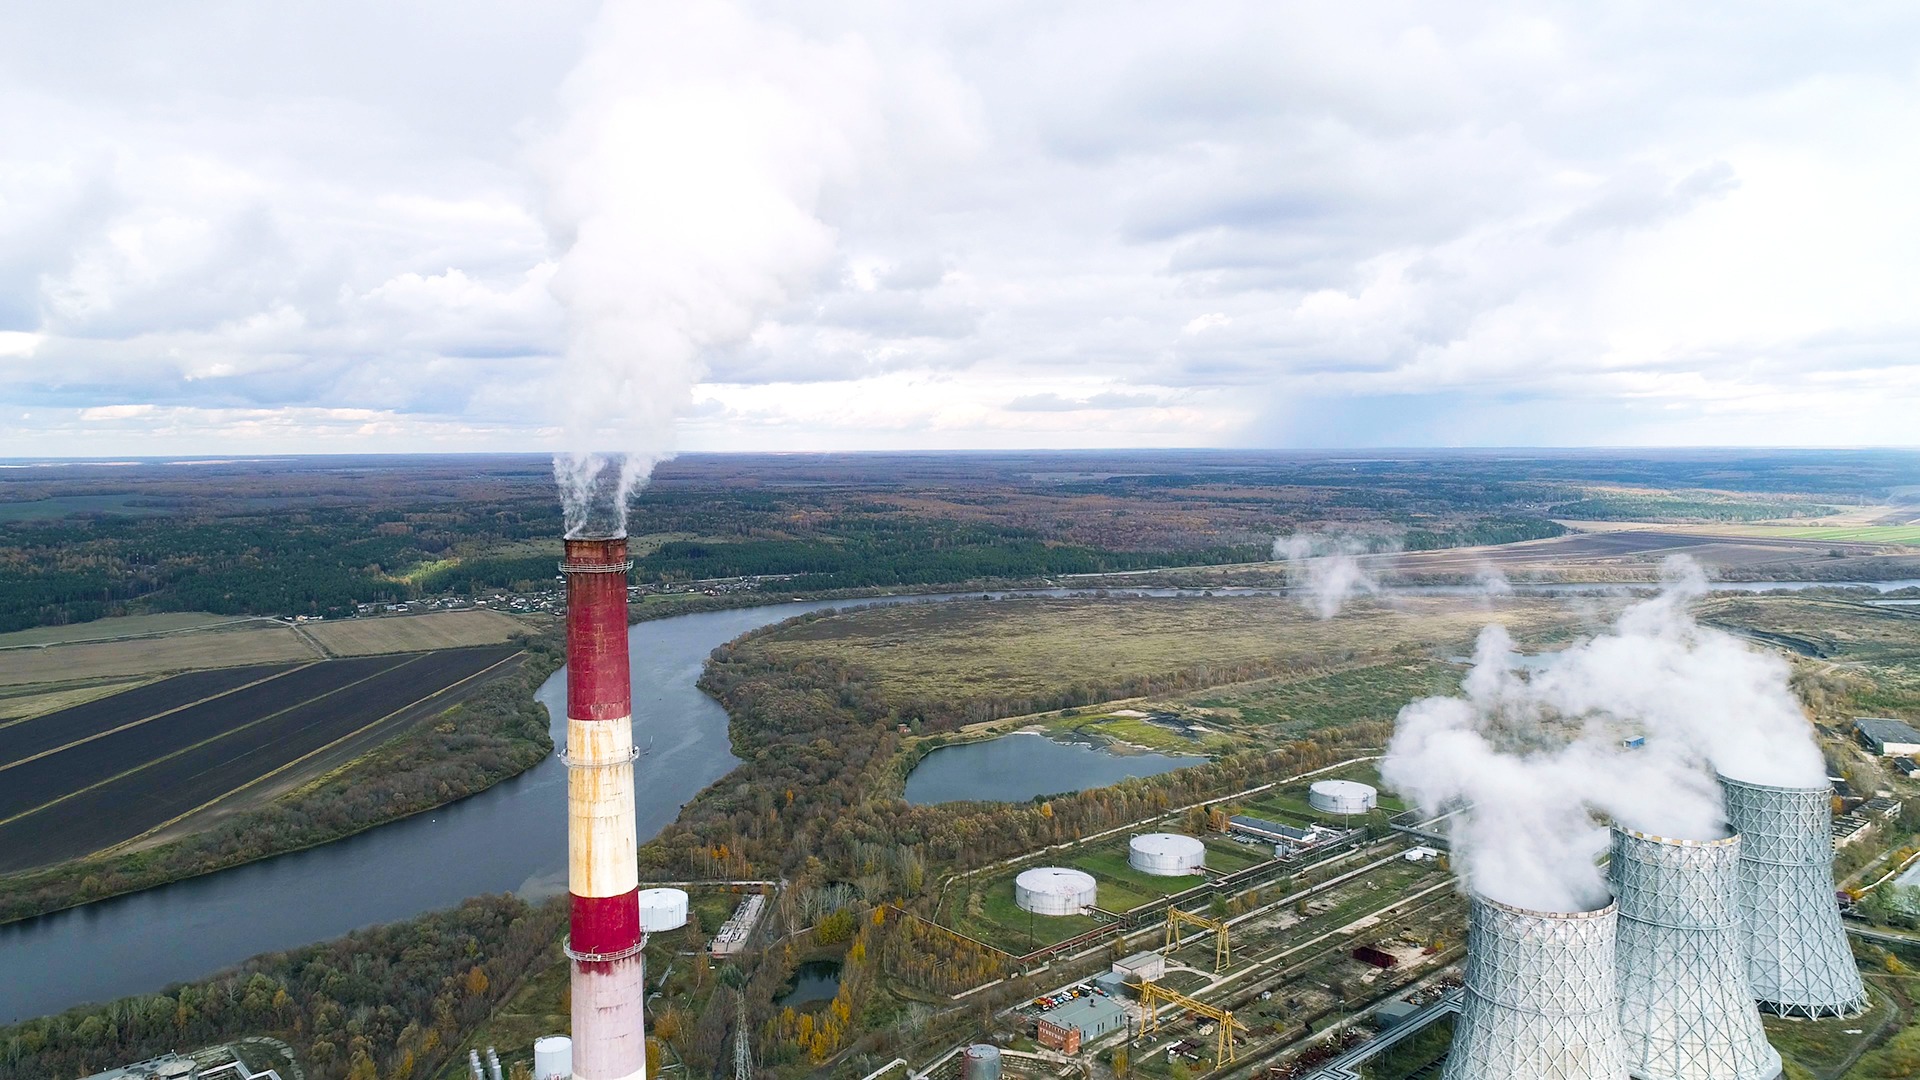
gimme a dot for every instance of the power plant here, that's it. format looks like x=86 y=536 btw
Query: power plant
x=1685 y=1009
x=1798 y=960
x=603 y=876
x=1542 y=999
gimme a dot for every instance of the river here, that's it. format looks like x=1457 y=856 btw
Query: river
x=510 y=838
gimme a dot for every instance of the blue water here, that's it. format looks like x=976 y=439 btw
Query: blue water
x=1015 y=768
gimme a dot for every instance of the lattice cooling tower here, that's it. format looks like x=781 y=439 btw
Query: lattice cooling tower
x=1798 y=961
x=1541 y=998
x=1685 y=1009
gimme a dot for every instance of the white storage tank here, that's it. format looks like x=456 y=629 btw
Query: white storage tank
x=662 y=909
x=1166 y=854
x=553 y=1058
x=1342 y=797
x=1054 y=890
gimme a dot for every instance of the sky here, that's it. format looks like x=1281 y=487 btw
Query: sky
x=440 y=226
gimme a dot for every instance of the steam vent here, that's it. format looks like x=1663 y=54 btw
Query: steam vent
x=609 y=1040
x=1541 y=998
x=1685 y=1009
x=1798 y=962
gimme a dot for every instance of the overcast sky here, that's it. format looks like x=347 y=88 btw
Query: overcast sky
x=339 y=227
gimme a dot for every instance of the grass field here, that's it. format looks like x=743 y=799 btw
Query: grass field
x=1002 y=923
x=1820 y=628
x=1013 y=647
x=68 y=505
x=124 y=626
x=1856 y=534
x=32 y=700
x=416 y=633
x=248 y=643
x=1297 y=706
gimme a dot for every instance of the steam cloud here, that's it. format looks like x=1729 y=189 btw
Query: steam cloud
x=1533 y=758
x=694 y=148
x=1324 y=571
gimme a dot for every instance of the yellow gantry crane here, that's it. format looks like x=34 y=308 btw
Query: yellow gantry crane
x=1222 y=949
x=1153 y=995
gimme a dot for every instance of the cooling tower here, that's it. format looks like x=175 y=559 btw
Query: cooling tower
x=1798 y=962
x=1540 y=998
x=1685 y=1009
x=603 y=875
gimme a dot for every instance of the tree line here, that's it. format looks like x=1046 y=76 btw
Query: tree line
x=390 y=1003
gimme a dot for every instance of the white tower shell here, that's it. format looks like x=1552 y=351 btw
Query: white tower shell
x=1054 y=890
x=1686 y=1012
x=1798 y=960
x=1166 y=854
x=1541 y=997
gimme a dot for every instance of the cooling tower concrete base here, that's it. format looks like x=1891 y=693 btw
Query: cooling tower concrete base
x=1541 y=997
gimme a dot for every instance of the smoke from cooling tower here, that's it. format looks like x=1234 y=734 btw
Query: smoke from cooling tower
x=1324 y=570
x=683 y=182
x=1535 y=757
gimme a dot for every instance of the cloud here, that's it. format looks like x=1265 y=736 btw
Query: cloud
x=1482 y=225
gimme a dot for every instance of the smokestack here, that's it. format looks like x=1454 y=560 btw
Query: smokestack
x=1798 y=961
x=603 y=876
x=1541 y=997
x=1686 y=1012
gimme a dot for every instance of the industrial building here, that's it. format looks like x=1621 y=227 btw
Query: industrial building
x=738 y=930
x=1886 y=737
x=1541 y=996
x=1141 y=967
x=1343 y=797
x=1286 y=839
x=1686 y=1012
x=1798 y=960
x=1081 y=1021
x=1166 y=854
x=1055 y=890
x=182 y=1067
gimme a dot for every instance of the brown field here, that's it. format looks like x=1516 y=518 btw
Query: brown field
x=124 y=626
x=1014 y=647
x=249 y=643
x=417 y=633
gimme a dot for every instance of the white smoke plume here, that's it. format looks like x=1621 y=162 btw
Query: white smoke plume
x=1536 y=760
x=1324 y=570
x=1491 y=582
x=683 y=182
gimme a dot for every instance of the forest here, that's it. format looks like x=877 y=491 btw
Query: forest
x=389 y=1003
x=317 y=535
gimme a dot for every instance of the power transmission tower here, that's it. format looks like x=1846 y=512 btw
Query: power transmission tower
x=742 y=1053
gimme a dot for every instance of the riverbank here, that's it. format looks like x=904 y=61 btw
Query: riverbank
x=492 y=733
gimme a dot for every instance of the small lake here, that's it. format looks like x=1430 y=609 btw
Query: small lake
x=1015 y=768
x=813 y=981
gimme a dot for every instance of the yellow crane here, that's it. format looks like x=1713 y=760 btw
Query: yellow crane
x=1153 y=995
x=1222 y=948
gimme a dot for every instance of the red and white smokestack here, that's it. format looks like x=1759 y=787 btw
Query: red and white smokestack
x=609 y=1036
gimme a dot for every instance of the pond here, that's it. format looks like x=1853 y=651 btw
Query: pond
x=813 y=981
x=1015 y=768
